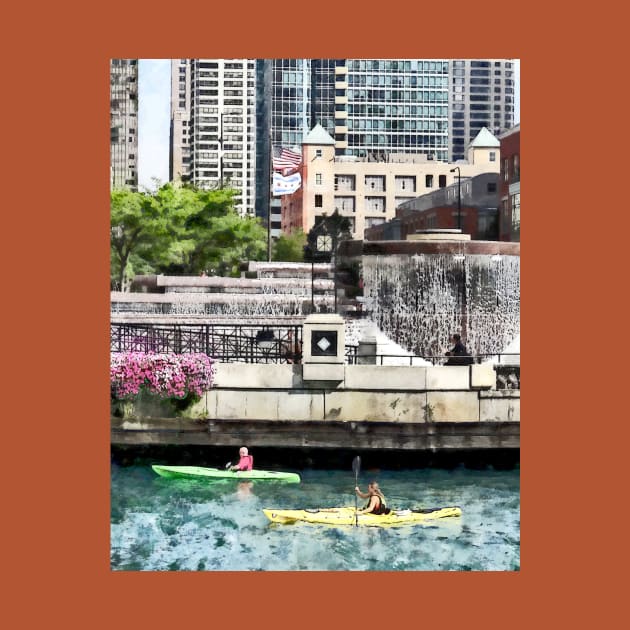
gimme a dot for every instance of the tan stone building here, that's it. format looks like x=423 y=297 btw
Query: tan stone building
x=367 y=193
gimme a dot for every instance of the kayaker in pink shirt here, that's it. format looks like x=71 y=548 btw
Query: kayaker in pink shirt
x=246 y=461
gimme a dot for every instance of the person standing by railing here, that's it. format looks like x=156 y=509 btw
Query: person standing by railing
x=458 y=355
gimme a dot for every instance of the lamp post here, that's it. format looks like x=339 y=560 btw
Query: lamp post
x=324 y=246
x=459 y=196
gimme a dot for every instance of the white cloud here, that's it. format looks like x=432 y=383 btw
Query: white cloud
x=153 y=120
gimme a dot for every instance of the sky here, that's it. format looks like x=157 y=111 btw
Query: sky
x=154 y=102
x=154 y=112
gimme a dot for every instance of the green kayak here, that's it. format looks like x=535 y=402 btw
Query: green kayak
x=197 y=472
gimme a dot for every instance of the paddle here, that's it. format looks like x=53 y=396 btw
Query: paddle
x=356 y=466
x=228 y=465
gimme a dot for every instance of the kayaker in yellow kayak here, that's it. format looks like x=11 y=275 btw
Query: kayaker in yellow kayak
x=376 y=503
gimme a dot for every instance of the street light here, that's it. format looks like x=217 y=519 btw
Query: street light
x=459 y=196
x=324 y=247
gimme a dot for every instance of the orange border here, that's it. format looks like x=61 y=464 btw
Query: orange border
x=57 y=132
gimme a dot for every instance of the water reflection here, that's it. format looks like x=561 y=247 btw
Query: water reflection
x=244 y=490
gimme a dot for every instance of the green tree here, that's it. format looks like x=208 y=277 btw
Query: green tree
x=138 y=231
x=290 y=247
x=181 y=230
x=220 y=238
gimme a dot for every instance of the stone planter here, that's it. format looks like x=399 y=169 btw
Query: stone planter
x=146 y=406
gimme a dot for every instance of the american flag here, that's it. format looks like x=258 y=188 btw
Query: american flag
x=287 y=160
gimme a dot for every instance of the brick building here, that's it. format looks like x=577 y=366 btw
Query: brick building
x=510 y=185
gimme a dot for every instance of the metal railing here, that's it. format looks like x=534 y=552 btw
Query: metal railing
x=501 y=358
x=231 y=343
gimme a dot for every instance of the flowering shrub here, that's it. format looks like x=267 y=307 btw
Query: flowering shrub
x=168 y=375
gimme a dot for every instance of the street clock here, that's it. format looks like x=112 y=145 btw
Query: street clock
x=324 y=243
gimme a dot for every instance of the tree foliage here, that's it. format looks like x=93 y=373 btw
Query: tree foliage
x=290 y=247
x=180 y=230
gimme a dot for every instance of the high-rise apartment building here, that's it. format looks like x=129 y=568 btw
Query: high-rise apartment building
x=481 y=95
x=123 y=113
x=179 y=145
x=393 y=106
x=213 y=125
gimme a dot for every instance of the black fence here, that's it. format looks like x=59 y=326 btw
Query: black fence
x=225 y=343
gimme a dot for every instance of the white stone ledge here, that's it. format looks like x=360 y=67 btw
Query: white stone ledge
x=255 y=375
x=323 y=372
x=379 y=377
x=442 y=377
x=483 y=376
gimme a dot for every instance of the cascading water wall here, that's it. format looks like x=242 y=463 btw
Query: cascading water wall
x=421 y=300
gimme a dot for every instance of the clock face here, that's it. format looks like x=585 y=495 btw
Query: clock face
x=324 y=243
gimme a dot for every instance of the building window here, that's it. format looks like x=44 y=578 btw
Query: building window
x=428 y=181
x=493 y=156
x=375 y=204
x=318 y=153
x=442 y=181
x=344 y=204
x=345 y=182
x=318 y=179
x=406 y=184
x=506 y=169
x=375 y=183
x=492 y=187
x=319 y=201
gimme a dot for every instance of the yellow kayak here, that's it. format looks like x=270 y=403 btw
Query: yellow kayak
x=347 y=516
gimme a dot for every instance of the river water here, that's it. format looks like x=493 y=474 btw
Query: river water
x=162 y=524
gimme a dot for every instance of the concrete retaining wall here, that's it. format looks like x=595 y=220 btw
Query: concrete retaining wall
x=365 y=406
x=365 y=393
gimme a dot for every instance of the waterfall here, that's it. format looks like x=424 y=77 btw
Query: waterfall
x=420 y=300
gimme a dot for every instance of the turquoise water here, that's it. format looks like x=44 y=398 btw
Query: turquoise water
x=162 y=524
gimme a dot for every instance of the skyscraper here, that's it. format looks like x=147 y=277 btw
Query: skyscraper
x=123 y=113
x=369 y=106
x=213 y=125
x=481 y=95
x=394 y=106
x=179 y=145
